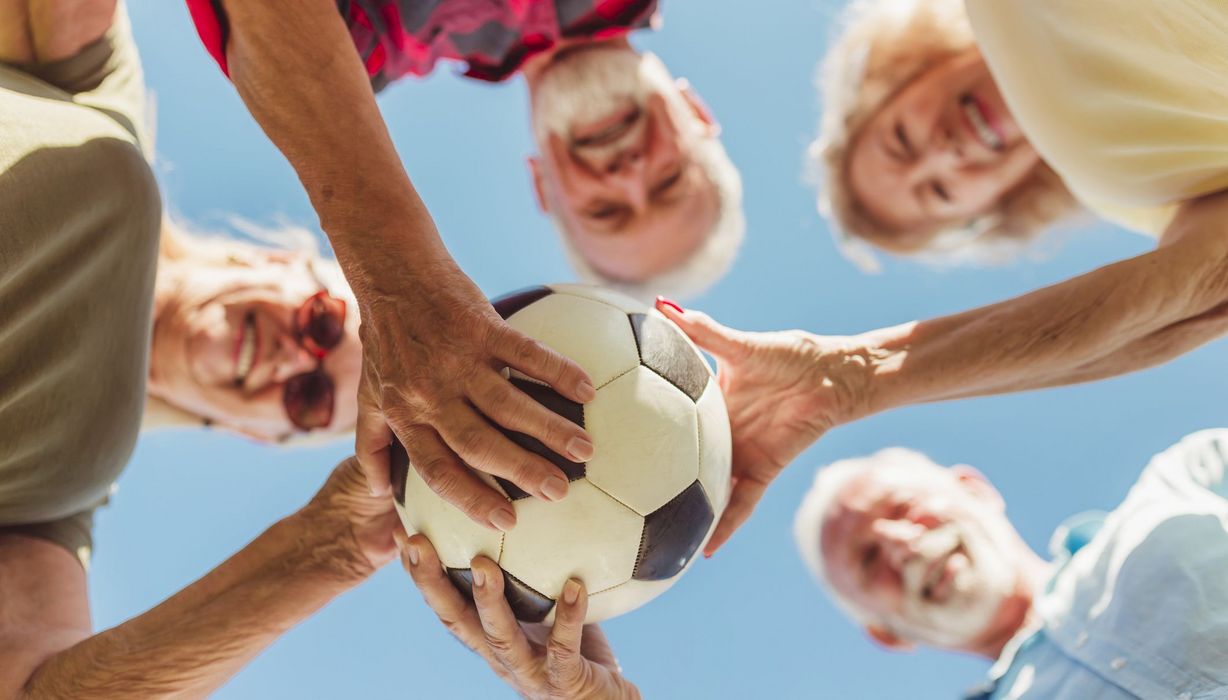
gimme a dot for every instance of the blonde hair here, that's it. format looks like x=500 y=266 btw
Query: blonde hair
x=884 y=46
x=180 y=243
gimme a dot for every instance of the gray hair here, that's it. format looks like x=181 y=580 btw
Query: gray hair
x=830 y=482
x=702 y=268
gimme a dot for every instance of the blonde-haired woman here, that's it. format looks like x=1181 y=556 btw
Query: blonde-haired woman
x=257 y=340
x=1128 y=101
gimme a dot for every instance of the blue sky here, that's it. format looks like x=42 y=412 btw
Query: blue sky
x=748 y=623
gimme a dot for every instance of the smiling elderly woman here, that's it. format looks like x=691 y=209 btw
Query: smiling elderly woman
x=918 y=151
x=256 y=340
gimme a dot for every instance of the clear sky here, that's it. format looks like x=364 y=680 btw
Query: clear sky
x=746 y=624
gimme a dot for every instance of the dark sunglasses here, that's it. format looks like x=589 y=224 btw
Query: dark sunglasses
x=319 y=325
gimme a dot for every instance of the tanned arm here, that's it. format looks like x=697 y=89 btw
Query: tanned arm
x=192 y=643
x=1133 y=314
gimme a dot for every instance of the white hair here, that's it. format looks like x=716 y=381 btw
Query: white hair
x=901 y=464
x=576 y=90
x=704 y=267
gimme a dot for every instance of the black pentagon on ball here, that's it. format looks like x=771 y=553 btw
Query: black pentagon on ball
x=512 y=302
x=664 y=350
x=399 y=462
x=566 y=408
x=527 y=604
x=672 y=535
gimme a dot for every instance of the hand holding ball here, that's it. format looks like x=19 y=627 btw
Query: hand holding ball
x=638 y=512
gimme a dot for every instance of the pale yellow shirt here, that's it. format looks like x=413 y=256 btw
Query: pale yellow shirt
x=1126 y=99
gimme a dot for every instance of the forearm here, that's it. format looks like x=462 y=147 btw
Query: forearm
x=193 y=642
x=314 y=100
x=1114 y=320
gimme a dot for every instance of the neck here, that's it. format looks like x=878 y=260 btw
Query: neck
x=1017 y=611
x=539 y=63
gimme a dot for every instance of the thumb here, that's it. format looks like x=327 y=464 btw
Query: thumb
x=721 y=342
x=372 y=438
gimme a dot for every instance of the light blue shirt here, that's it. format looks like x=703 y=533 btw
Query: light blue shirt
x=1141 y=609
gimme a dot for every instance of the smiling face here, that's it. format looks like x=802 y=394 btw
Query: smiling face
x=940 y=152
x=228 y=343
x=927 y=551
x=619 y=166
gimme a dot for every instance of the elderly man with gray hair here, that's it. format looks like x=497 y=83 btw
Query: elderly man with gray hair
x=1133 y=604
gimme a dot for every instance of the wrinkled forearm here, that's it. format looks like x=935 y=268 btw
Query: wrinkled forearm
x=1120 y=318
x=299 y=74
x=192 y=643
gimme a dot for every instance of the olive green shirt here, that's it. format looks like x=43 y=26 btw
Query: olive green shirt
x=79 y=223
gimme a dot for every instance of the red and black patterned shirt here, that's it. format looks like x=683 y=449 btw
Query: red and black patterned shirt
x=493 y=37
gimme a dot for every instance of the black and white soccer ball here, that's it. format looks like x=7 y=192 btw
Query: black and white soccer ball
x=638 y=512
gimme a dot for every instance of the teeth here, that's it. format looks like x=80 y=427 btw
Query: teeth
x=247 y=352
x=984 y=131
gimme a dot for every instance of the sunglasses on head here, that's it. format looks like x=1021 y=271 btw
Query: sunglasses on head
x=319 y=325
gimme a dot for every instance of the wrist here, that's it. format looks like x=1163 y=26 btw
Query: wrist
x=325 y=547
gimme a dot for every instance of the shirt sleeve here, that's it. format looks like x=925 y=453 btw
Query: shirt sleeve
x=213 y=28
x=1193 y=469
x=74 y=533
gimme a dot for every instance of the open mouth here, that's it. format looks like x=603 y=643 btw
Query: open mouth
x=980 y=123
x=245 y=358
x=607 y=130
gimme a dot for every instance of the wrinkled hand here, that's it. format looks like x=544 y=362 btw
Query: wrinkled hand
x=569 y=661
x=433 y=353
x=363 y=524
x=783 y=391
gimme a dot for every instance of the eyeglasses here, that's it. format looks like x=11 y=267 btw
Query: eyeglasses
x=319 y=325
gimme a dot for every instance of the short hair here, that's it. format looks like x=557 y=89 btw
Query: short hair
x=886 y=44
x=703 y=267
x=817 y=505
x=181 y=243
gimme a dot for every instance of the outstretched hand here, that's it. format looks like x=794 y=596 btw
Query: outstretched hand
x=783 y=390
x=570 y=661
x=434 y=351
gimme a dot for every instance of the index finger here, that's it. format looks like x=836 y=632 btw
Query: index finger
x=564 y=660
x=535 y=360
x=453 y=610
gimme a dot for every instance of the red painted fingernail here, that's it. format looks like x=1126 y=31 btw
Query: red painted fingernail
x=663 y=301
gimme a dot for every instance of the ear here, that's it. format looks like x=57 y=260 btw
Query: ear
x=537 y=171
x=699 y=108
x=975 y=483
x=887 y=639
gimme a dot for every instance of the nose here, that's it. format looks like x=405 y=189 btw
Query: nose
x=627 y=173
x=292 y=359
x=941 y=156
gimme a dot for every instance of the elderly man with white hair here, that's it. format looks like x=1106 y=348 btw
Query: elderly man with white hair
x=1133 y=604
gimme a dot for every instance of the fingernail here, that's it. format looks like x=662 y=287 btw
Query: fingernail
x=586 y=392
x=555 y=488
x=579 y=449
x=663 y=301
x=413 y=555
x=479 y=578
x=571 y=592
x=504 y=519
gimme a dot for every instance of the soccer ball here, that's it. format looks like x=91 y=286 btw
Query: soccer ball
x=636 y=513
